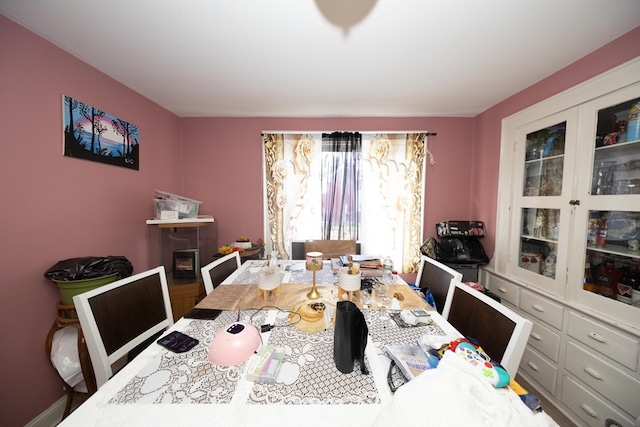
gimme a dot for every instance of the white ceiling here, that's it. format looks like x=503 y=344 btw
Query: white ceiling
x=285 y=58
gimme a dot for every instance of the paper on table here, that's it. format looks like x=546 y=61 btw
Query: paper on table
x=365 y=261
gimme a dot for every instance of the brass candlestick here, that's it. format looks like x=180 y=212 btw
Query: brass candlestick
x=314 y=263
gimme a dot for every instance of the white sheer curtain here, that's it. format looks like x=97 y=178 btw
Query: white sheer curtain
x=392 y=193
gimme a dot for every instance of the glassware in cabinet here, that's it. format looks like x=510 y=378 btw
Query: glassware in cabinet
x=616 y=160
x=544 y=161
x=539 y=241
x=613 y=253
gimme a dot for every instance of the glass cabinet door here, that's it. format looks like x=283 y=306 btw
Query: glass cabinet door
x=539 y=240
x=544 y=161
x=543 y=177
x=613 y=256
x=544 y=167
x=616 y=163
x=613 y=252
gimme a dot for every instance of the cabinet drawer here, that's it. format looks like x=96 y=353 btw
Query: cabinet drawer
x=545 y=341
x=539 y=369
x=621 y=348
x=504 y=289
x=541 y=308
x=591 y=408
x=615 y=385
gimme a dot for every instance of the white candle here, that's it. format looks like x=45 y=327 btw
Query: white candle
x=314 y=261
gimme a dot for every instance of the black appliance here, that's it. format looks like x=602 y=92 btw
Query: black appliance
x=460 y=247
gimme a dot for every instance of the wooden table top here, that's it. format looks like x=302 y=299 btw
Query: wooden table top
x=245 y=297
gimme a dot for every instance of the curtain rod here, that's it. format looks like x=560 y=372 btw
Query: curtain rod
x=288 y=132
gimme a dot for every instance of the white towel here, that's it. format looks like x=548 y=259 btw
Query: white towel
x=455 y=394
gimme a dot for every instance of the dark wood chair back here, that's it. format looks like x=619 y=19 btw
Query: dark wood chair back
x=215 y=272
x=331 y=248
x=118 y=317
x=501 y=332
x=439 y=278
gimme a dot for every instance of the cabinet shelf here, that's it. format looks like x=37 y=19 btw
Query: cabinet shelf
x=614 y=250
x=542 y=159
x=538 y=239
x=619 y=146
x=200 y=221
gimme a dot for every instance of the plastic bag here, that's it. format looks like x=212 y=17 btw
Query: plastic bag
x=428 y=297
x=65 y=358
x=89 y=268
x=426 y=293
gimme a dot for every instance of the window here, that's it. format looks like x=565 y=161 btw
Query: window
x=341 y=182
x=342 y=185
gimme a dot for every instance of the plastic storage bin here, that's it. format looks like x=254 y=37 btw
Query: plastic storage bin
x=171 y=206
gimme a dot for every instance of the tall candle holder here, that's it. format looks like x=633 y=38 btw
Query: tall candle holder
x=314 y=263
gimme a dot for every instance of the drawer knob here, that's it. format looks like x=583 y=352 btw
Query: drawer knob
x=501 y=289
x=596 y=336
x=536 y=337
x=588 y=410
x=593 y=373
x=532 y=366
x=538 y=308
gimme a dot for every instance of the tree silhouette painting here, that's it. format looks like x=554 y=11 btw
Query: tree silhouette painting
x=92 y=134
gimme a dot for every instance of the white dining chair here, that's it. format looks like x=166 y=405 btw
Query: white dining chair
x=215 y=272
x=501 y=332
x=439 y=278
x=119 y=317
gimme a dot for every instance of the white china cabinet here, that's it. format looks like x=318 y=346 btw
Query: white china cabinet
x=567 y=254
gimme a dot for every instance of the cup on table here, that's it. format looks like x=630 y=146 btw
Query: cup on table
x=381 y=290
x=365 y=298
x=383 y=300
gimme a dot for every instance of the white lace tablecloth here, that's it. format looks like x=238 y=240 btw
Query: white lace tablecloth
x=308 y=374
x=159 y=388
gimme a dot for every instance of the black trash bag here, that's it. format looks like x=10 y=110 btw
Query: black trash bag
x=90 y=267
x=350 y=337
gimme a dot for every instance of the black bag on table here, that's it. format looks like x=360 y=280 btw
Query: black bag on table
x=350 y=337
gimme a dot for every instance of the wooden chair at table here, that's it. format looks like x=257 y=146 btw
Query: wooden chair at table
x=439 y=278
x=331 y=248
x=215 y=272
x=119 y=318
x=501 y=332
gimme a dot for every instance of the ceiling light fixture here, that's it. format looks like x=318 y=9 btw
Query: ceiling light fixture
x=345 y=13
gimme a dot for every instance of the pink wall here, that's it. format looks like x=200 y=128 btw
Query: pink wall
x=486 y=144
x=224 y=158
x=54 y=207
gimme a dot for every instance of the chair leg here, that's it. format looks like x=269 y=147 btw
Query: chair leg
x=67 y=408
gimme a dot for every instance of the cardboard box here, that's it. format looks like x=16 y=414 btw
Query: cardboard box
x=531 y=261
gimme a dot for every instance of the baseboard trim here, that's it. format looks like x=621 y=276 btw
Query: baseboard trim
x=51 y=417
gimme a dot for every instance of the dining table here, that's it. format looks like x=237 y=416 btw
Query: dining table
x=163 y=388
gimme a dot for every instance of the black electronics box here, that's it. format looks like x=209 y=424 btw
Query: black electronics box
x=460 y=229
x=186 y=264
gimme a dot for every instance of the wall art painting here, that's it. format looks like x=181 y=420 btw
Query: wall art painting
x=92 y=134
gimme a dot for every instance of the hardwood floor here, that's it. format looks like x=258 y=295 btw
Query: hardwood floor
x=547 y=406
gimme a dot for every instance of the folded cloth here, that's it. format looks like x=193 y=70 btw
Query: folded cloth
x=455 y=394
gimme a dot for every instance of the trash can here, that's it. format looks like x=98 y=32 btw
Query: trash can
x=78 y=275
